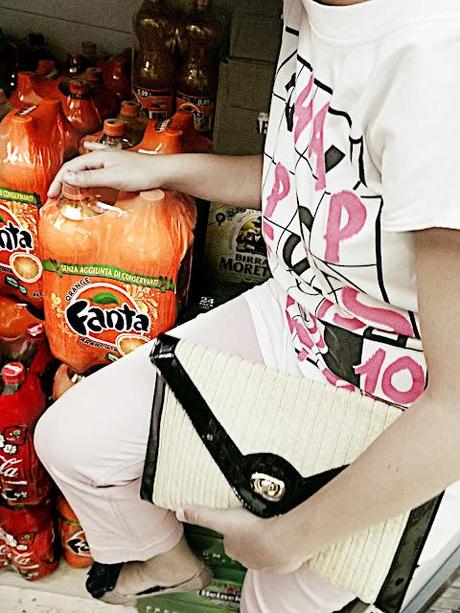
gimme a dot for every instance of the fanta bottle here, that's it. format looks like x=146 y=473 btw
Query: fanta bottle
x=111 y=137
x=47 y=69
x=105 y=102
x=160 y=139
x=134 y=126
x=111 y=271
x=117 y=77
x=31 y=152
x=194 y=142
x=16 y=318
x=64 y=379
x=80 y=109
x=73 y=540
x=31 y=148
x=75 y=65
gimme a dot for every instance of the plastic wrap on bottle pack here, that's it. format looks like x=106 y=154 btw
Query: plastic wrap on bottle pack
x=31 y=152
x=111 y=273
x=23 y=479
x=73 y=539
x=28 y=541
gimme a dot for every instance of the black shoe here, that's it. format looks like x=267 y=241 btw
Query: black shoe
x=102 y=578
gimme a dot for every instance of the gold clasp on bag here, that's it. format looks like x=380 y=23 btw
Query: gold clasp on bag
x=268 y=487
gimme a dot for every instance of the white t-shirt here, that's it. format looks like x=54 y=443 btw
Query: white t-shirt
x=363 y=146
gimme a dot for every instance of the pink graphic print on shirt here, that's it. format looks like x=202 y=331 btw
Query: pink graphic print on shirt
x=322 y=226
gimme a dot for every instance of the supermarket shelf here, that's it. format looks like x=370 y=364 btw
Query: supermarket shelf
x=61 y=592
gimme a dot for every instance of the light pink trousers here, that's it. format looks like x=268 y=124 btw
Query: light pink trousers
x=93 y=441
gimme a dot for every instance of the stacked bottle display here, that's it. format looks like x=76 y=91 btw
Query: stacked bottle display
x=49 y=113
x=177 y=63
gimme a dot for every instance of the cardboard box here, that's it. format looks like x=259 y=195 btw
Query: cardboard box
x=244 y=93
x=223 y=594
x=255 y=37
x=260 y=7
x=235 y=251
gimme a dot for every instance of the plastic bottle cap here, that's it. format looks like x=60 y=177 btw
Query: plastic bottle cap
x=114 y=127
x=2 y=96
x=130 y=108
x=153 y=195
x=94 y=75
x=73 y=193
x=78 y=87
x=13 y=372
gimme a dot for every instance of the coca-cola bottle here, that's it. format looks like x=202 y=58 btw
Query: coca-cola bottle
x=153 y=74
x=35 y=337
x=13 y=376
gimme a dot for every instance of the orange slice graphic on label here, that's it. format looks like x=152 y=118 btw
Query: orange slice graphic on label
x=128 y=342
x=104 y=312
x=27 y=267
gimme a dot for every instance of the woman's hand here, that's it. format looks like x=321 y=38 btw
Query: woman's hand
x=235 y=180
x=271 y=545
x=123 y=170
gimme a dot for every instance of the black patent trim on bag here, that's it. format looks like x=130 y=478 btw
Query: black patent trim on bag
x=151 y=458
x=236 y=467
x=393 y=592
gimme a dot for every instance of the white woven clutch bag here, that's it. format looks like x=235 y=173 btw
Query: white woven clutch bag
x=227 y=432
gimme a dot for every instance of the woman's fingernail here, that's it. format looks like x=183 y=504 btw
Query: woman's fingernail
x=180 y=514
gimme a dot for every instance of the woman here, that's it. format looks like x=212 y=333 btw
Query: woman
x=361 y=221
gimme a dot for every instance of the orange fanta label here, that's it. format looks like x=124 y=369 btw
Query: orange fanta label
x=20 y=267
x=95 y=317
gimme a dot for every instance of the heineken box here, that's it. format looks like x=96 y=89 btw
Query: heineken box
x=223 y=594
x=209 y=546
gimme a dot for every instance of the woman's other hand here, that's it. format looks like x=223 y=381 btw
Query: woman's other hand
x=270 y=545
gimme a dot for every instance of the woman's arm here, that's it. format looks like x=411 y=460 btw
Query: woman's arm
x=229 y=179
x=411 y=462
